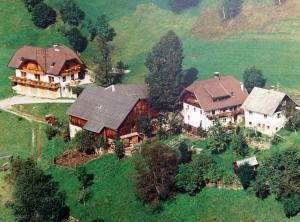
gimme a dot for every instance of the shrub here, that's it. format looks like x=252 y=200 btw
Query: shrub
x=77 y=90
x=43 y=15
x=29 y=4
x=201 y=132
x=77 y=40
x=119 y=149
x=85 y=141
x=291 y=205
x=185 y=153
x=180 y=5
x=246 y=174
x=51 y=132
x=218 y=139
x=238 y=143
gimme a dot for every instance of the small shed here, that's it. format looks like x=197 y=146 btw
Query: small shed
x=251 y=161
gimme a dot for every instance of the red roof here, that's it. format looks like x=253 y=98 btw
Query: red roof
x=50 y=59
x=218 y=93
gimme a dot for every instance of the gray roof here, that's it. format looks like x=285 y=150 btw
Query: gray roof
x=106 y=107
x=263 y=101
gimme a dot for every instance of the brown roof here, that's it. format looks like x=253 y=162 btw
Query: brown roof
x=51 y=60
x=106 y=107
x=218 y=93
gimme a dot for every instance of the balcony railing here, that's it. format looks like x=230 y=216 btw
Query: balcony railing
x=34 y=71
x=34 y=83
x=226 y=114
x=70 y=71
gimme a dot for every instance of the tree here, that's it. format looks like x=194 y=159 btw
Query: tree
x=291 y=205
x=119 y=149
x=104 y=75
x=104 y=29
x=29 y=4
x=36 y=196
x=77 y=40
x=189 y=76
x=165 y=72
x=192 y=177
x=279 y=173
x=71 y=13
x=85 y=141
x=253 y=77
x=239 y=143
x=155 y=168
x=218 y=139
x=293 y=123
x=43 y=15
x=185 y=153
x=231 y=8
x=91 y=29
x=144 y=125
x=85 y=180
x=180 y=5
x=246 y=174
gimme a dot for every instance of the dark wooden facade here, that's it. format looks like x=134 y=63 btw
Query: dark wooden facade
x=129 y=124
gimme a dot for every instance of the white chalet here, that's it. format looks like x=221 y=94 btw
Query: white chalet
x=46 y=72
x=218 y=98
x=265 y=110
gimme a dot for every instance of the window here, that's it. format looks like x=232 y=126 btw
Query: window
x=278 y=115
x=37 y=77
x=64 y=79
x=50 y=79
x=276 y=128
x=194 y=109
x=188 y=117
x=224 y=120
x=23 y=74
x=250 y=112
x=265 y=116
x=250 y=123
x=200 y=111
x=213 y=112
x=259 y=125
x=72 y=77
x=268 y=127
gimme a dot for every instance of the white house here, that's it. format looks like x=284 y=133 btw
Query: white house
x=218 y=98
x=265 y=110
x=46 y=72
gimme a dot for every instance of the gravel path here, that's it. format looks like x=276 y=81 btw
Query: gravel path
x=7 y=104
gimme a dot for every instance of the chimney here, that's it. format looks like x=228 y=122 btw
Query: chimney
x=217 y=75
x=56 y=47
x=242 y=86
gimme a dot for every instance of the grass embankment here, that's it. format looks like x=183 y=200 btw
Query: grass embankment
x=39 y=111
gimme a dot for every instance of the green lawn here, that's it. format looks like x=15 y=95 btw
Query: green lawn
x=40 y=110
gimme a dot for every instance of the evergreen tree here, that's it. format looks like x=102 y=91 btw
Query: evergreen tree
x=185 y=153
x=85 y=180
x=238 y=143
x=253 y=77
x=29 y=4
x=91 y=29
x=77 y=40
x=165 y=77
x=43 y=15
x=36 y=196
x=119 y=149
x=231 y=8
x=71 y=13
x=104 y=29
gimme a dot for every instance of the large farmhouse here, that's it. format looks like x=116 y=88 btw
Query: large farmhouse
x=46 y=72
x=110 y=112
x=265 y=110
x=218 y=98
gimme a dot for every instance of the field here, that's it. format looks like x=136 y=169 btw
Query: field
x=262 y=35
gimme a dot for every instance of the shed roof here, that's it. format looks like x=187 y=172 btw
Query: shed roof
x=51 y=60
x=219 y=92
x=263 y=101
x=106 y=107
x=252 y=161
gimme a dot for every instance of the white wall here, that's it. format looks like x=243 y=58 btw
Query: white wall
x=73 y=130
x=269 y=125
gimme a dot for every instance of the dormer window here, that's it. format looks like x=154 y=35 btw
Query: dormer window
x=52 y=64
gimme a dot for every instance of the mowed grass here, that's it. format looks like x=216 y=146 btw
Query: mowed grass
x=113 y=199
x=39 y=111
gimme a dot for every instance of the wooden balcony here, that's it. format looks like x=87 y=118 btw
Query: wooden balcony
x=34 y=83
x=237 y=112
x=70 y=71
